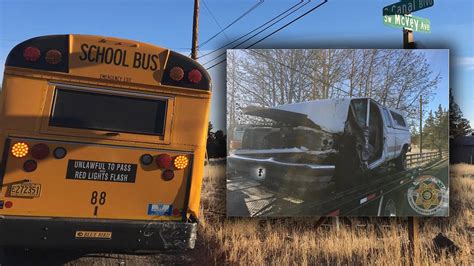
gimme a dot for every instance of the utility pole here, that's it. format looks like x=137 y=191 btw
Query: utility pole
x=194 y=46
x=408 y=40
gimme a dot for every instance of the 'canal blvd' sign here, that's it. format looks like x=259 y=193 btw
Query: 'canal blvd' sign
x=408 y=22
x=407 y=7
x=101 y=171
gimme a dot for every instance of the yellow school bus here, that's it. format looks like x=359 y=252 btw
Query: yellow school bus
x=102 y=144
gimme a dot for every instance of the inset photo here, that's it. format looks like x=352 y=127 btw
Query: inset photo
x=337 y=132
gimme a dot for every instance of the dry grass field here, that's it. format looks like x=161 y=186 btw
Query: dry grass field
x=359 y=241
x=283 y=241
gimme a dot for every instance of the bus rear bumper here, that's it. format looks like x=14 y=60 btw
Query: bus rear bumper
x=94 y=234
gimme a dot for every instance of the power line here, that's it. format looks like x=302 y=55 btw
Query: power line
x=264 y=29
x=233 y=22
x=284 y=26
x=214 y=18
x=288 y=24
x=259 y=27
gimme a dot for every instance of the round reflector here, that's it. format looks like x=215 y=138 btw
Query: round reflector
x=40 y=151
x=146 y=159
x=164 y=161
x=20 y=149
x=31 y=54
x=53 y=57
x=59 y=153
x=176 y=73
x=30 y=166
x=8 y=204
x=168 y=175
x=180 y=162
x=195 y=76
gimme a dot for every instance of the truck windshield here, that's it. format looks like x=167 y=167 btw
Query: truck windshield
x=87 y=110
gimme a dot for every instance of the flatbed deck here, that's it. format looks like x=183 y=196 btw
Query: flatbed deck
x=251 y=197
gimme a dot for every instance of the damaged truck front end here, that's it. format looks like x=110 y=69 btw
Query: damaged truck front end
x=304 y=145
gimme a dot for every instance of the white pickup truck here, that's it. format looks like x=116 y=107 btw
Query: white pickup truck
x=321 y=139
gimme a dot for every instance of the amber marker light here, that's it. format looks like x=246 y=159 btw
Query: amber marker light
x=176 y=73
x=180 y=162
x=53 y=57
x=20 y=149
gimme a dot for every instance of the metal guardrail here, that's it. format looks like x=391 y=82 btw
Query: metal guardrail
x=419 y=159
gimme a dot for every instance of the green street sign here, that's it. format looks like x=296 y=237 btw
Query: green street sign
x=408 y=22
x=406 y=7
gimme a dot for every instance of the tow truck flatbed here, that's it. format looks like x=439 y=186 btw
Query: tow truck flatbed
x=254 y=197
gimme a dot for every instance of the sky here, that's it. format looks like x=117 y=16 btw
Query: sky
x=336 y=24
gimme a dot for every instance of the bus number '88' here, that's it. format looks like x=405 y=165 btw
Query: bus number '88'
x=98 y=198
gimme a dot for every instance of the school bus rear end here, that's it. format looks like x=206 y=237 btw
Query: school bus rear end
x=104 y=149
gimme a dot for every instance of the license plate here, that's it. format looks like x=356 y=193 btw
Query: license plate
x=25 y=190
x=94 y=234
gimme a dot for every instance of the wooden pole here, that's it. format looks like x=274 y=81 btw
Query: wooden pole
x=194 y=46
x=408 y=40
x=413 y=240
x=408 y=43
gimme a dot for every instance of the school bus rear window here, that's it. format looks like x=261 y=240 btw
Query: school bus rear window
x=96 y=111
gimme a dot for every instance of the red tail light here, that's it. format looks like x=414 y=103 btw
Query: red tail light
x=40 y=151
x=195 y=76
x=168 y=175
x=164 y=161
x=30 y=166
x=31 y=54
x=8 y=204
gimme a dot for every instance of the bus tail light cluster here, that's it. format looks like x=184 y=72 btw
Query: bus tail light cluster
x=38 y=152
x=167 y=163
x=46 y=53
x=33 y=54
x=177 y=74
x=181 y=71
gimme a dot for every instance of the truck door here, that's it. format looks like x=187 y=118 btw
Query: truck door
x=389 y=135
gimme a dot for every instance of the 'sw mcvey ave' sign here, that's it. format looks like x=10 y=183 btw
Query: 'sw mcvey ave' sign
x=398 y=15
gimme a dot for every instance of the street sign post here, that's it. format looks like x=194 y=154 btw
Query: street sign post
x=406 y=7
x=398 y=15
x=407 y=22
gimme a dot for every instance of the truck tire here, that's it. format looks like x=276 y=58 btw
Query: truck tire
x=401 y=161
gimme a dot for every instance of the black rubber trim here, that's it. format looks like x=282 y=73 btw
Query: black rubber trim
x=35 y=232
x=3 y=166
x=188 y=188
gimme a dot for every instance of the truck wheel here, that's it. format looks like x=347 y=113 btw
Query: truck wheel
x=401 y=161
x=390 y=208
